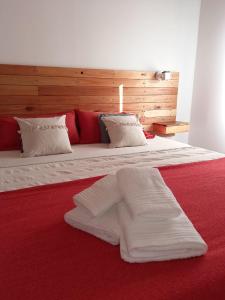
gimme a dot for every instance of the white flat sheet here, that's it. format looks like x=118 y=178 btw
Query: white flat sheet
x=13 y=158
x=93 y=160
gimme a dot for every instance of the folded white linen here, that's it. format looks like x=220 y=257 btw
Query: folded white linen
x=146 y=193
x=99 y=197
x=105 y=227
x=143 y=240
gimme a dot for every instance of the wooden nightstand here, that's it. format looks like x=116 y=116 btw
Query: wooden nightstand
x=170 y=128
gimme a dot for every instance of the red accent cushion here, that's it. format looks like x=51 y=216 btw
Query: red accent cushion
x=10 y=139
x=89 y=127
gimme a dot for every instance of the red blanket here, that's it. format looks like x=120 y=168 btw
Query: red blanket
x=41 y=257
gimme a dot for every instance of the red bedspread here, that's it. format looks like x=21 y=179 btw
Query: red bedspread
x=41 y=257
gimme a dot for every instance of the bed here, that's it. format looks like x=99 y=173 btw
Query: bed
x=42 y=257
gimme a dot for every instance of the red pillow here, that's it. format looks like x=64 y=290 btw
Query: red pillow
x=88 y=123
x=10 y=139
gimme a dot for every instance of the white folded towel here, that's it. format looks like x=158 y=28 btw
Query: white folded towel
x=105 y=227
x=146 y=193
x=145 y=240
x=99 y=197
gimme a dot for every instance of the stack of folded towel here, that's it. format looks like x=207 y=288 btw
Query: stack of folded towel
x=96 y=211
x=136 y=209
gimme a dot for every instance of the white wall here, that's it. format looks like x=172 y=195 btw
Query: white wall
x=120 y=34
x=208 y=109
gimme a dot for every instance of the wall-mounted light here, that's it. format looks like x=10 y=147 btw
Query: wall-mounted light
x=121 y=97
x=165 y=75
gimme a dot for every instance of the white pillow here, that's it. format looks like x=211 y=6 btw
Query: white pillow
x=123 y=134
x=121 y=118
x=44 y=136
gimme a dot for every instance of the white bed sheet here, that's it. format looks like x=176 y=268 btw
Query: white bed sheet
x=93 y=160
x=13 y=158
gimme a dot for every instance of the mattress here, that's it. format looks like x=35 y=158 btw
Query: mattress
x=93 y=160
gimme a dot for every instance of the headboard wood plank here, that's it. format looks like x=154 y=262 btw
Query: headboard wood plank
x=155 y=100
x=86 y=82
x=9 y=90
x=34 y=90
x=77 y=72
x=102 y=91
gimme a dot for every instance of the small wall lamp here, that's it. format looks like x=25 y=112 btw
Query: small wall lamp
x=165 y=75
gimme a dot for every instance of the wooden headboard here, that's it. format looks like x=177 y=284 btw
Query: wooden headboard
x=35 y=90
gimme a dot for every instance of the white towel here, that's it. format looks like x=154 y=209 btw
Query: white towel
x=145 y=240
x=146 y=193
x=99 y=197
x=105 y=227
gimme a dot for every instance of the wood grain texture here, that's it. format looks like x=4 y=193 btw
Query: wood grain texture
x=35 y=90
x=46 y=108
x=86 y=82
x=77 y=91
x=164 y=128
x=77 y=72
x=153 y=101
x=160 y=113
x=9 y=90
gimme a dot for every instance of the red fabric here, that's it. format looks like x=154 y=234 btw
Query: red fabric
x=148 y=135
x=88 y=123
x=10 y=138
x=41 y=257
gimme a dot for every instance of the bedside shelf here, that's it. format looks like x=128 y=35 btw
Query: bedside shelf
x=170 y=128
